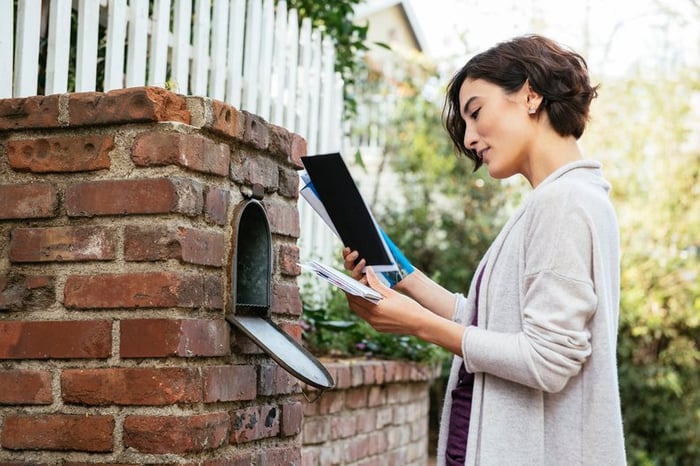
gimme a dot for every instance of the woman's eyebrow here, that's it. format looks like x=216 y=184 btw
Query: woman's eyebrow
x=465 y=109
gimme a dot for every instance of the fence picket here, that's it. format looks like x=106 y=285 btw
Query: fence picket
x=235 y=52
x=181 y=46
x=116 y=37
x=278 y=60
x=86 y=56
x=160 y=28
x=290 y=94
x=58 y=47
x=303 y=70
x=27 y=50
x=138 y=37
x=6 y=48
x=217 y=77
x=267 y=38
x=200 y=55
x=250 y=55
x=314 y=94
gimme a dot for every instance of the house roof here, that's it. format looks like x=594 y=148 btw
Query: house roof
x=371 y=7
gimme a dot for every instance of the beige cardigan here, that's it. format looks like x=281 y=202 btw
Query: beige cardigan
x=544 y=350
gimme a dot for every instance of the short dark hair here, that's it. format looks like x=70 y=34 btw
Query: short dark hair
x=558 y=74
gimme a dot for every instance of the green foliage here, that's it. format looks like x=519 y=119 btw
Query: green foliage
x=336 y=19
x=334 y=330
x=655 y=170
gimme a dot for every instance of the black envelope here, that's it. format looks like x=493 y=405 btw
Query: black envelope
x=347 y=210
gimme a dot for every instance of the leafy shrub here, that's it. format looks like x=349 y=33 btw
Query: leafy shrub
x=335 y=330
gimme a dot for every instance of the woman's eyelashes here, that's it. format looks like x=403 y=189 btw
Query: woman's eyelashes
x=475 y=114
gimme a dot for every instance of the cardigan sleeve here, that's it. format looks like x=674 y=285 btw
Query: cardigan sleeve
x=557 y=300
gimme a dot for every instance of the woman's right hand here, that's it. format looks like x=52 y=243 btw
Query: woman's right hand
x=349 y=258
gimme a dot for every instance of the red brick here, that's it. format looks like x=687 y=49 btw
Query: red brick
x=121 y=197
x=357 y=375
x=316 y=430
x=227 y=120
x=342 y=377
x=256 y=132
x=242 y=344
x=366 y=421
x=289 y=455
x=51 y=244
x=25 y=292
x=36 y=200
x=150 y=243
x=378 y=444
x=229 y=383
x=216 y=205
x=213 y=292
x=284 y=218
x=55 y=339
x=126 y=106
x=20 y=386
x=292 y=417
x=273 y=380
x=293 y=329
x=59 y=432
x=332 y=402
x=251 y=168
x=356 y=398
x=187 y=150
x=376 y=396
x=280 y=142
x=254 y=423
x=148 y=386
x=160 y=243
x=288 y=257
x=238 y=459
x=176 y=434
x=31 y=112
x=286 y=299
x=288 y=183
x=61 y=154
x=298 y=150
x=143 y=338
x=148 y=289
x=344 y=426
x=357 y=448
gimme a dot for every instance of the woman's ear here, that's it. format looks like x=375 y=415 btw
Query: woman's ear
x=532 y=98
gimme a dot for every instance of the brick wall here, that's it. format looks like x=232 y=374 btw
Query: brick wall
x=376 y=415
x=115 y=225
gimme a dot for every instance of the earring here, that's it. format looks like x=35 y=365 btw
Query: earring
x=532 y=111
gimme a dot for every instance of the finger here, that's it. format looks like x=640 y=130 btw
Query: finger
x=350 y=259
x=357 y=270
x=374 y=282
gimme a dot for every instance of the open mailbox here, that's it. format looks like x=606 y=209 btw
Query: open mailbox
x=250 y=275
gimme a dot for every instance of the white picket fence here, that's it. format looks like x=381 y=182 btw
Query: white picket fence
x=249 y=53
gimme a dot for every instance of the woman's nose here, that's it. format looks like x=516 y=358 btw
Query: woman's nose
x=470 y=137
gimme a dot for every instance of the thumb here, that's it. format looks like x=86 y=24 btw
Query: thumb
x=374 y=282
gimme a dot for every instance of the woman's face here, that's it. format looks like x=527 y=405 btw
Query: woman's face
x=499 y=127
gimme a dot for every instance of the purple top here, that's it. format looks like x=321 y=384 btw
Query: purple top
x=461 y=405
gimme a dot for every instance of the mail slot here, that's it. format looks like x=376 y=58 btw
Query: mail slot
x=250 y=278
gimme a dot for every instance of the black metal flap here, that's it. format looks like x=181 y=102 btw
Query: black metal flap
x=289 y=354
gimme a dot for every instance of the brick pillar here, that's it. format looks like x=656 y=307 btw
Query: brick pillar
x=115 y=240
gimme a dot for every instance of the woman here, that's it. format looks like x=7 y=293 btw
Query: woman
x=534 y=380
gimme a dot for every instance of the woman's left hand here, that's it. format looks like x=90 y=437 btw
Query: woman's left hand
x=395 y=313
